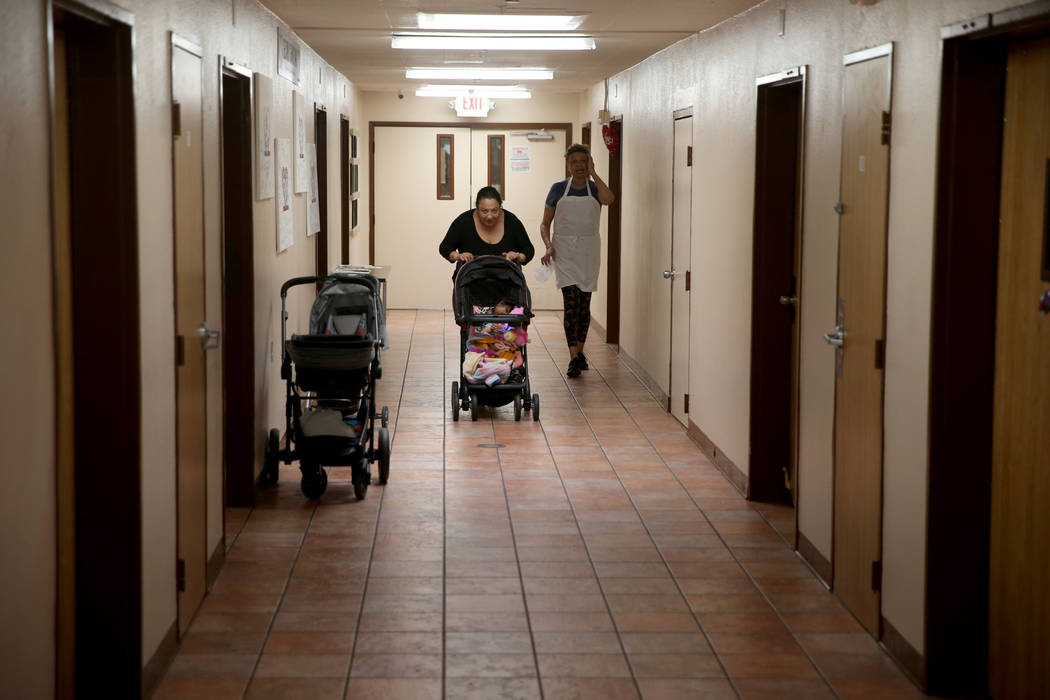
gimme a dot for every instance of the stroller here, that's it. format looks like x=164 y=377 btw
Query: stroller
x=481 y=284
x=331 y=378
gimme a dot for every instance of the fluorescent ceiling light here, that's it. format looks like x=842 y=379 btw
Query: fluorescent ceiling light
x=512 y=92
x=510 y=23
x=492 y=42
x=479 y=74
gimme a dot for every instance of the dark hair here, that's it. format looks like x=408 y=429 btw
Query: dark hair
x=488 y=192
x=577 y=148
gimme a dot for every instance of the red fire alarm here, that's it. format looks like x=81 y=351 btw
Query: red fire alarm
x=611 y=136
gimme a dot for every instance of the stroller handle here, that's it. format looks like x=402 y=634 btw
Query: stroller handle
x=296 y=281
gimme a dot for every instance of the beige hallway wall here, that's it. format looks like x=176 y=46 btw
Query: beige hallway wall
x=246 y=33
x=27 y=455
x=714 y=72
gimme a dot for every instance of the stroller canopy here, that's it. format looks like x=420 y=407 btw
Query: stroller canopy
x=346 y=301
x=487 y=280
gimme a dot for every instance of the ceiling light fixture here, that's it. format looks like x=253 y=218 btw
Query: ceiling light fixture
x=511 y=23
x=492 y=42
x=479 y=74
x=511 y=92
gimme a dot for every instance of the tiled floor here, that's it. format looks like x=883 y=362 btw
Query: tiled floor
x=594 y=554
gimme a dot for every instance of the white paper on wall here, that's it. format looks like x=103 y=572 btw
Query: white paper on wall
x=302 y=172
x=313 y=210
x=264 y=176
x=285 y=217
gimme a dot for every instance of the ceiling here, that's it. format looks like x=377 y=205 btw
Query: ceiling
x=354 y=36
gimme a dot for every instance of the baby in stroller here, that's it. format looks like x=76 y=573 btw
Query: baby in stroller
x=330 y=375
x=491 y=302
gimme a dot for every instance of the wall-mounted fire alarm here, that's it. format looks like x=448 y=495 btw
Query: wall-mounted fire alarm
x=862 y=2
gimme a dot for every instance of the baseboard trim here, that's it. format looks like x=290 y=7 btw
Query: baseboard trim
x=597 y=329
x=216 y=561
x=160 y=662
x=729 y=469
x=900 y=650
x=649 y=382
x=820 y=565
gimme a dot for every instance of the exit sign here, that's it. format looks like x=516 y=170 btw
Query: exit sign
x=472 y=106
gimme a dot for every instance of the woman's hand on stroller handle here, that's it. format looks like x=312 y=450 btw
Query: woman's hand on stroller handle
x=457 y=256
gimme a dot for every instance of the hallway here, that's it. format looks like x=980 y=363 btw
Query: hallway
x=595 y=554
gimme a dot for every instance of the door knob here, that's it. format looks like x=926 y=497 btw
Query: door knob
x=788 y=300
x=670 y=274
x=835 y=338
x=209 y=338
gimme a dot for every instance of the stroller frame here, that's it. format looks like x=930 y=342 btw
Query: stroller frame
x=468 y=396
x=316 y=452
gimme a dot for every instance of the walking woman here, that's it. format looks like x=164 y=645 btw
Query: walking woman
x=570 y=232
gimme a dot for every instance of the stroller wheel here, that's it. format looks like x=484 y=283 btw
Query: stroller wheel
x=271 y=457
x=314 y=483
x=474 y=407
x=517 y=407
x=535 y=407
x=360 y=489
x=384 y=455
x=455 y=401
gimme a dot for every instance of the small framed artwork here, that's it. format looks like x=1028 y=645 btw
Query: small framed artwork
x=287 y=55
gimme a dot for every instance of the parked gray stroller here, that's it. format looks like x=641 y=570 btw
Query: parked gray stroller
x=331 y=375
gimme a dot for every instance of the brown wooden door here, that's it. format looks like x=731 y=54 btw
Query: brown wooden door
x=861 y=312
x=1019 y=603
x=681 y=247
x=189 y=318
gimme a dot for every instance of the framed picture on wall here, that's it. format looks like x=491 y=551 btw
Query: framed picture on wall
x=287 y=55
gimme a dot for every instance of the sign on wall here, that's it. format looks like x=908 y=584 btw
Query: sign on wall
x=263 y=137
x=472 y=106
x=285 y=218
x=302 y=171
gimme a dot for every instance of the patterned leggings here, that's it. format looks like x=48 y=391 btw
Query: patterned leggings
x=577 y=314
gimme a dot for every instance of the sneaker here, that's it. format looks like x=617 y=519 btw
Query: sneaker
x=574 y=368
x=581 y=359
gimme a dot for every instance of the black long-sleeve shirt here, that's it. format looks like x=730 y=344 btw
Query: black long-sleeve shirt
x=463 y=236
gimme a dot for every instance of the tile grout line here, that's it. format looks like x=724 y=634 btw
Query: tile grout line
x=280 y=601
x=641 y=520
x=729 y=548
x=583 y=539
x=375 y=530
x=517 y=560
x=444 y=508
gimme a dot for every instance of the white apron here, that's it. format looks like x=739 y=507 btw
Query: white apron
x=576 y=239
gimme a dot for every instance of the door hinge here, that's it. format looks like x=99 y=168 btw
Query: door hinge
x=688 y=280
x=685 y=407
x=180 y=351
x=880 y=353
x=887 y=128
x=876 y=575
x=840 y=208
x=180 y=575
x=176 y=119
x=688 y=156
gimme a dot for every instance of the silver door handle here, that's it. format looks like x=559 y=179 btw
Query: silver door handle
x=788 y=300
x=835 y=338
x=209 y=338
x=670 y=274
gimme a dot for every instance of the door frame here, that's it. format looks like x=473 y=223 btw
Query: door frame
x=677 y=115
x=238 y=297
x=344 y=189
x=497 y=126
x=99 y=628
x=962 y=349
x=321 y=149
x=612 y=281
x=788 y=77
